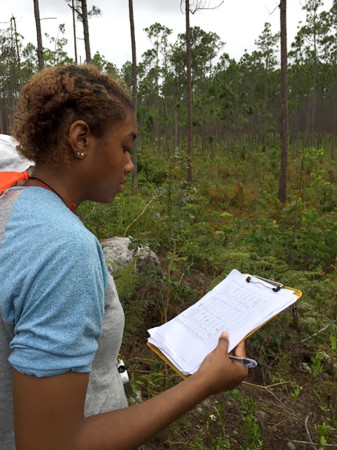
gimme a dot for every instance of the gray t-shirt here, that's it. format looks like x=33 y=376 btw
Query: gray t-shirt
x=59 y=309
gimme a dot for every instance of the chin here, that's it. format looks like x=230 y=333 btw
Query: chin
x=108 y=199
x=104 y=198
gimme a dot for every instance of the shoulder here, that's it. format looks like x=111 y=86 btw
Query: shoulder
x=46 y=245
x=48 y=225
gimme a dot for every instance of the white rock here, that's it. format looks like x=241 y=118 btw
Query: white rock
x=304 y=367
x=117 y=254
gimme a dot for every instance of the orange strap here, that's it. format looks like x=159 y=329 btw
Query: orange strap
x=9 y=179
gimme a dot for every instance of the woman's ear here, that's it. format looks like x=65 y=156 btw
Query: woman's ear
x=79 y=137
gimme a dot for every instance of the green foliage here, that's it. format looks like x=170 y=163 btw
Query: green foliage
x=316 y=364
x=127 y=280
x=252 y=433
x=221 y=442
x=322 y=433
x=333 y=343
x=200 y=235
x=105 y=66
x=57 y=56
x=295 y=394
x=197 y=445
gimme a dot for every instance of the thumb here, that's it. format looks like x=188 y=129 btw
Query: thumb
x=224 y=341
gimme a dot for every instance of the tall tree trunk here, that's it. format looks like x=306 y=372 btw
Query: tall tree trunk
x=86 y=30
x=74 y=29
x=38 y=35
x=134 y=93
x=265 y=106
x=282 y=194
x=17 y=51
x=3 y=129
x=314 y=96
x=334 y=121
x=189 y=92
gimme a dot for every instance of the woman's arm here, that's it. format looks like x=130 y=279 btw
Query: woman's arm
x=48 y=412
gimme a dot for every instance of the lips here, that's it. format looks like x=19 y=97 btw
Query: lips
x=121 y=186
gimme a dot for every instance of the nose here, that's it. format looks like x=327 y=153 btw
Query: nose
x=128 y=163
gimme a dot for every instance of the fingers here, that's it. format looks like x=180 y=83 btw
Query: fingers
x=240 y=349
x=224 y=341
x=224 y=373
x=225 y=335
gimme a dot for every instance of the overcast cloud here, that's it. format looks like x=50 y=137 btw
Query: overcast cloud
x=237 y=22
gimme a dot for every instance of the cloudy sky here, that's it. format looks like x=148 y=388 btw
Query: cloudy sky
x=237 y=22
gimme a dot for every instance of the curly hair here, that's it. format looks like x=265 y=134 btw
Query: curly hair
x=56 y=97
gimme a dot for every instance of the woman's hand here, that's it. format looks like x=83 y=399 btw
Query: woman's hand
x=218 y=371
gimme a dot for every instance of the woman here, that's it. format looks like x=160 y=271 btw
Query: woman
x=61 y=321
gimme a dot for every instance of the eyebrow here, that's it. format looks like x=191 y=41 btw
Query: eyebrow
x=133 y=135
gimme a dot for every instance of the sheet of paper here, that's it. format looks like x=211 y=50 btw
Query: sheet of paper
x=233 y=305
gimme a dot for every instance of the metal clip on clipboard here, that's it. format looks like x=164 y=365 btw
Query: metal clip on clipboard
x=274 y=285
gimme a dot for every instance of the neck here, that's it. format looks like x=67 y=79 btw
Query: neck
x=58 y=183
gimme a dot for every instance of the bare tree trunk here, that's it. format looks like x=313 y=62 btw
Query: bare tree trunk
x=314 y=96
x=3 y=129
x=74 y=29
x=198 y=5
x=282 y=194
x=264 y=125
x=134 y=93
x=189 y=92
x=334 y=121
x=86 y=30
x=175 y=131
x=38 y=35
x=17 y=51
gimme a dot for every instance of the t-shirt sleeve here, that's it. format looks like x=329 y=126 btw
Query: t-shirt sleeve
x=58 y=319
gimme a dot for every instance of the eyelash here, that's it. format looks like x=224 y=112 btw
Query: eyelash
x=127 y=149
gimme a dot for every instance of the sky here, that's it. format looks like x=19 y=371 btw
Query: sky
x=237 y=22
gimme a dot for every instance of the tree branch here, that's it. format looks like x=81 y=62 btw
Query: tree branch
x=305 y=442
x=266 y=388
x=278 y=6
x=308 y=432
x=319 y=331
x=139 y=215
x=198 y=6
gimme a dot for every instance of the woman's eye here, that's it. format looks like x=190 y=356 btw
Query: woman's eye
x=126 y=149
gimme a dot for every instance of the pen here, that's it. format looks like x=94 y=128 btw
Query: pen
x=246 y=362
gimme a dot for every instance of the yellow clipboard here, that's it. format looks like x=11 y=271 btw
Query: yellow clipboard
x=158 y=352
x=166 y=360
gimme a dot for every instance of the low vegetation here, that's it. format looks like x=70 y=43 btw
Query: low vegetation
x=230 y=218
